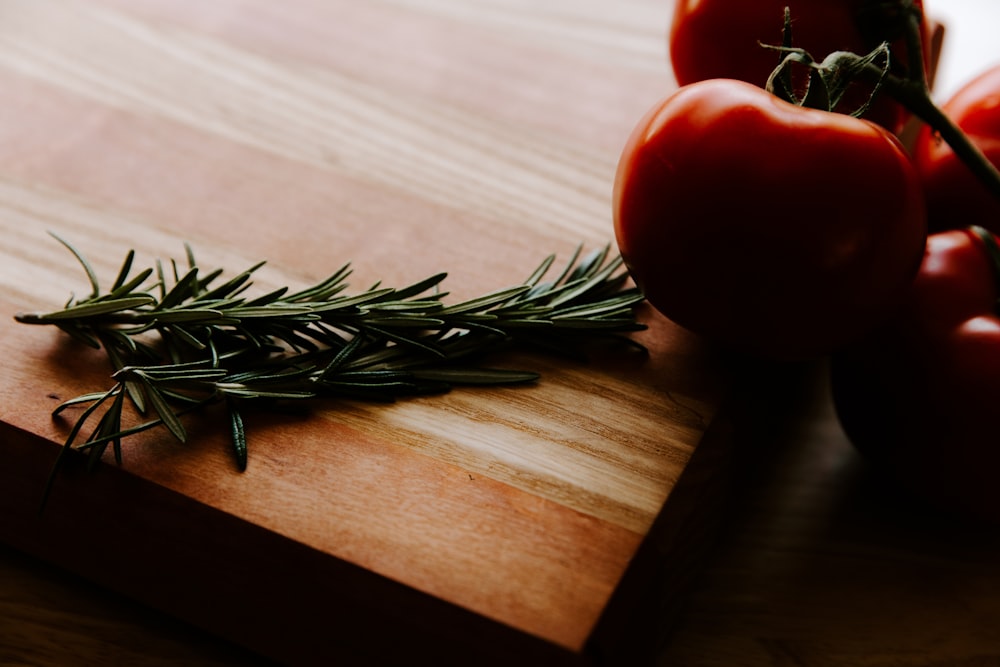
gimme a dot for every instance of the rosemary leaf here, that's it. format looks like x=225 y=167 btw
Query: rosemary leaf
x=178 y=314
x=233 y=286
x=351 y=302
x=187 y=337
x=114 y=339
x=542 y=269
x=84 y=398
x=246 y=391
x=110 y=425
x=174 y=373
x=421 y=286
x=183 y=289
x=476 y=376
x=324 y=290
x=88 y=269
x=403 y=321
x=414 y=342
x=341 y=357
x=267 y=299
x=238 y=433
x=164 y=411
x=203 y=283
x=570 y=265
x=272 y=310
x=486 y=301
x=74 y=432
x=88 y=309
x=128 y=288
x=72 y=329
x=123 y=272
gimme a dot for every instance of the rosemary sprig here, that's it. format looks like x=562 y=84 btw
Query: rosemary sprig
x=179 y=340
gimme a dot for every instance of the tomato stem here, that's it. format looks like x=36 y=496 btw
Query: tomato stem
x=910 y=89
x=913 y=92
x=916 y=97
x=915 y=46
x=826 y=83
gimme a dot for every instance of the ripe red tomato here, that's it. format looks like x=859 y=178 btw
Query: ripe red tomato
x=919 y=396
x=770 y=228
x=712 y=39
x=955 y=197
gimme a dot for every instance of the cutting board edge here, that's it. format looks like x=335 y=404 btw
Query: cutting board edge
x=659 y=577
x=376 y=607
x=64 y=536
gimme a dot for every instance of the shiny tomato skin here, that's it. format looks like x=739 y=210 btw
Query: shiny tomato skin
x=955 y=197
x=711 y=39
x=768 y=228
x=919 y=396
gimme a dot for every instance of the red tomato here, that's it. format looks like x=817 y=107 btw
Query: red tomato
x=920 y=396
x=770 y=228
x=955 y=197
x=712 y=39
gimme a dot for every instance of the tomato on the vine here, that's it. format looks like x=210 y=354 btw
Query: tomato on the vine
x=919 y=396
x=955 y=197
x=770 y=228
x=712 y=39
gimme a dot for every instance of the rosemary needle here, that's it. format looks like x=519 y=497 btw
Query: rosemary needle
x=179 y=340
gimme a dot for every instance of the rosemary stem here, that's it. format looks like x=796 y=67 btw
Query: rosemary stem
x=197 y=345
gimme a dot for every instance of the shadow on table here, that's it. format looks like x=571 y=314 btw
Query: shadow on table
x=823 y=562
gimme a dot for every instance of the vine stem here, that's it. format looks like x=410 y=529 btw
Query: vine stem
x=913 y=93
x=916 y=98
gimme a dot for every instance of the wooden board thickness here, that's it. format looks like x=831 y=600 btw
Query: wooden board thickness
x=406 y=137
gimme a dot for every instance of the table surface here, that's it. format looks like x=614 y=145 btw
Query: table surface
x=819 y=563
x=407 y=137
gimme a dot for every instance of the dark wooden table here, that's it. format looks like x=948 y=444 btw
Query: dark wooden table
x=823 y=563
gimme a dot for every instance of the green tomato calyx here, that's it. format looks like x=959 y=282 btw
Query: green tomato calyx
x=828 y=80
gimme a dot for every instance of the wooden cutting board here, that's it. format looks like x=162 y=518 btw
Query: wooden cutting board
x=406 y=137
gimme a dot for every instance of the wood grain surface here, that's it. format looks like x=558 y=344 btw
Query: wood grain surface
x=406 y=138
x=819 y=563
